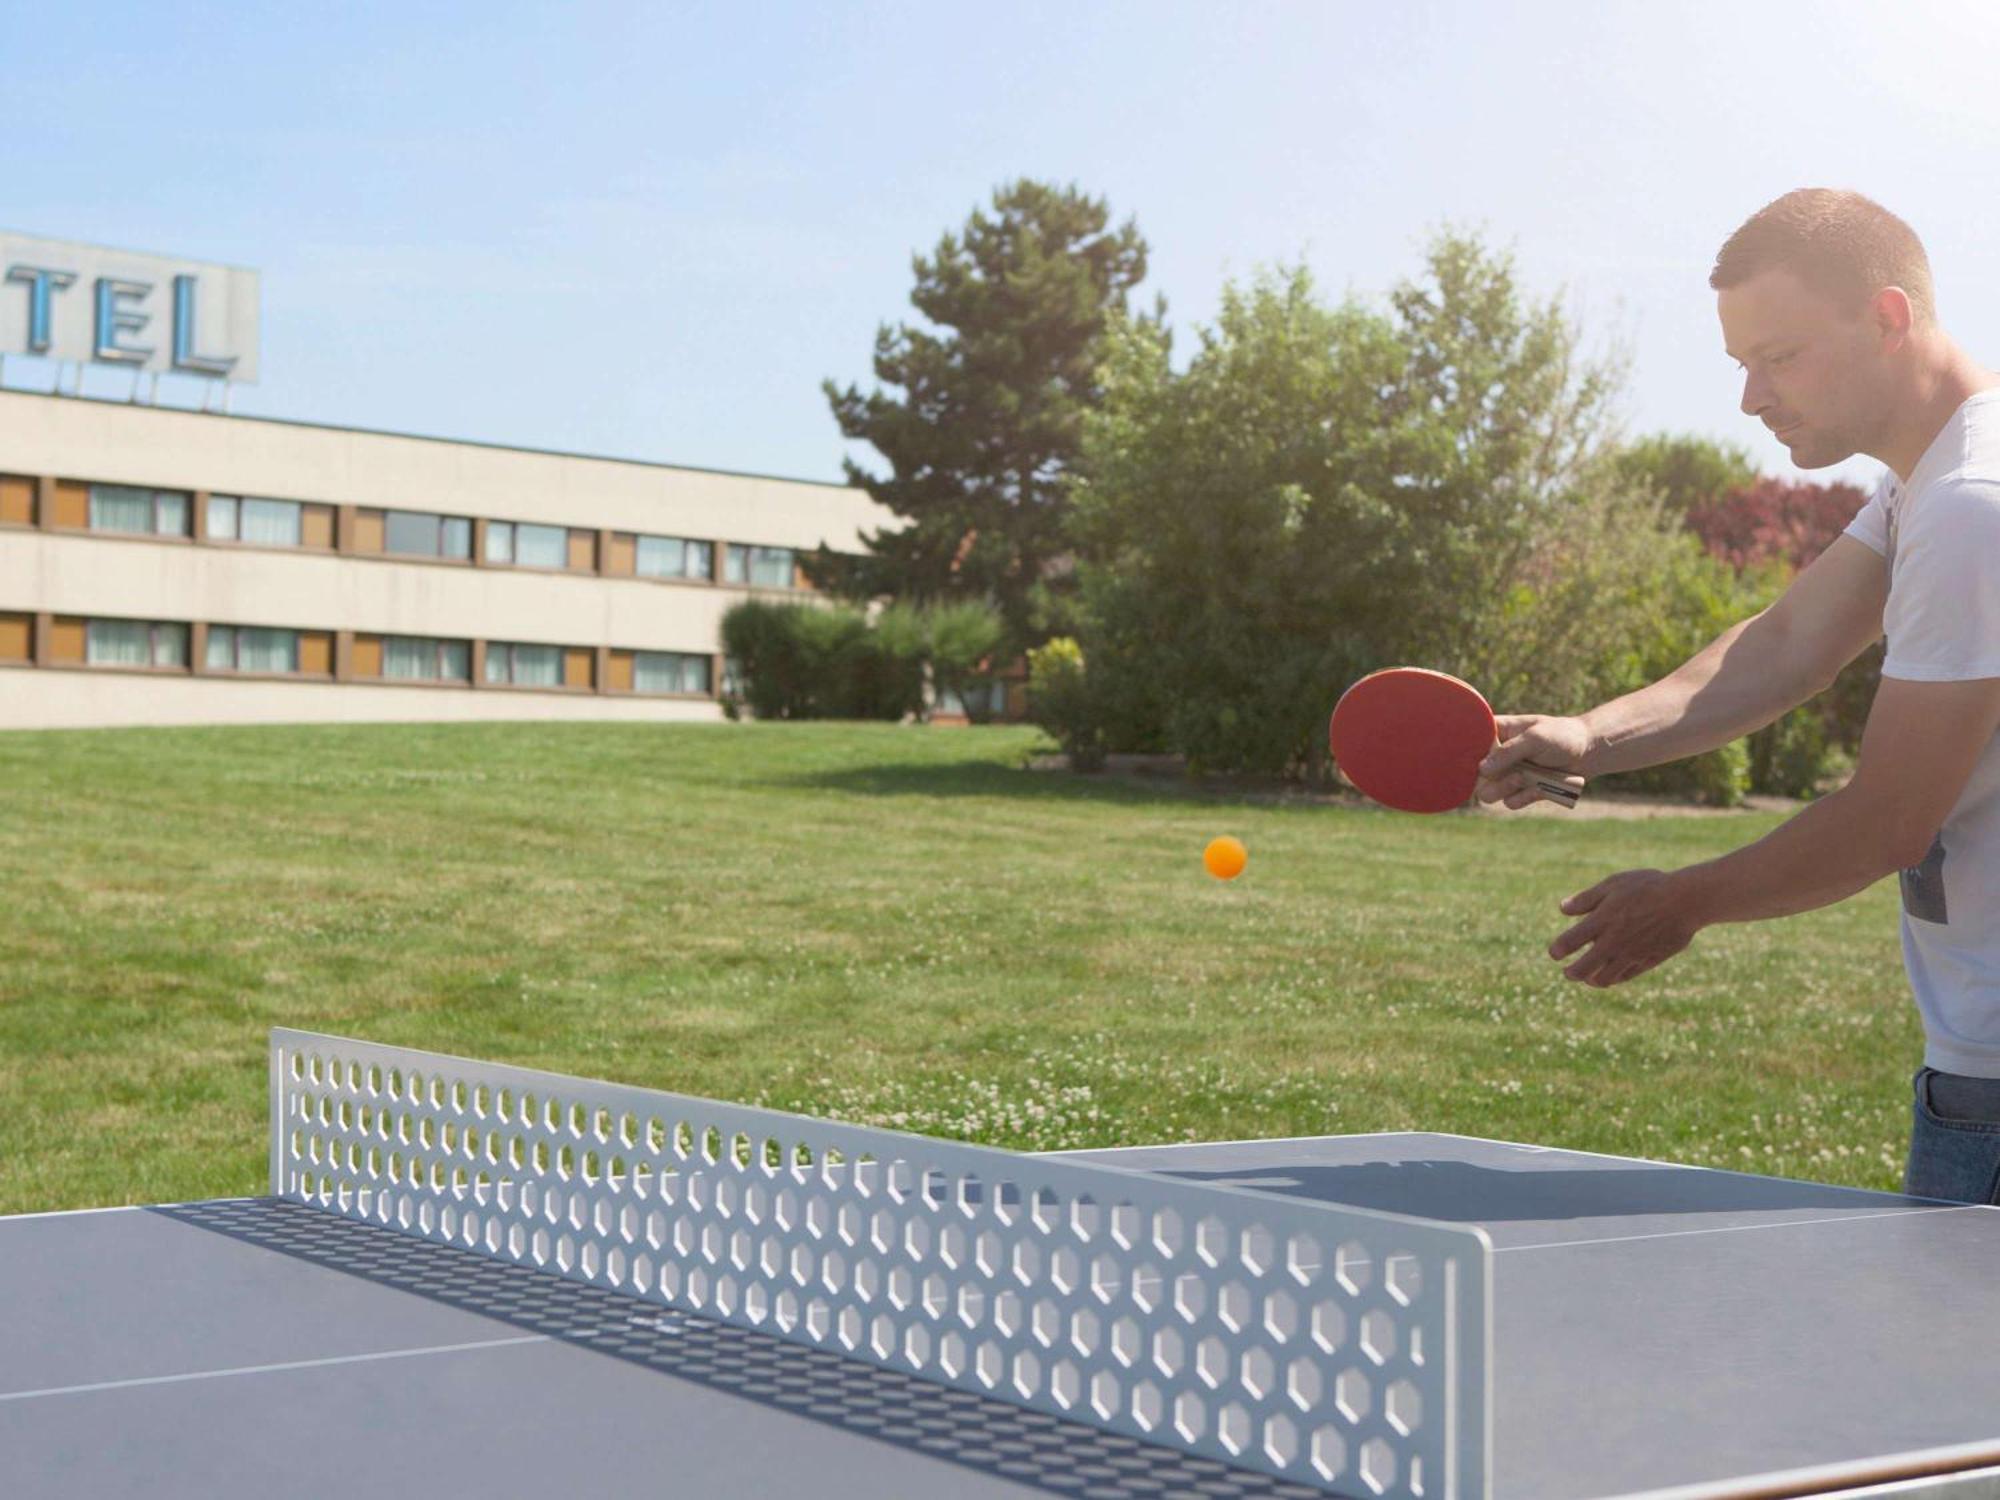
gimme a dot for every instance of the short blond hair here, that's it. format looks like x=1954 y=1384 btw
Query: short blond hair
x=1844 y=246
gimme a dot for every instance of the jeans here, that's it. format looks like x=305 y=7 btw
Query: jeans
x=1954 y=1138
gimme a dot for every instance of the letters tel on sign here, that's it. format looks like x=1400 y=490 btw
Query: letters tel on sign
x=86 y=304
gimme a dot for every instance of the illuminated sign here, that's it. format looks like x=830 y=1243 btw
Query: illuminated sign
x=86 y=304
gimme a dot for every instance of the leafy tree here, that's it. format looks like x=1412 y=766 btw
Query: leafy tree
x=1676 y=603
x=1325 y=490
x=981 y=442
x=1686 y=471
x=1230 y=518
x=1502 y=423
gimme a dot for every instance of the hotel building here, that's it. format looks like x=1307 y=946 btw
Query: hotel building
x=161 y=566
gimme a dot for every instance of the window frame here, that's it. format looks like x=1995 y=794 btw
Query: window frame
x=687 y=545
x=439 y=645
x=154 y=495
x=707 y=672
x=238 y=504
x=152 y=662
x=749 y=551
x=443 y=520
x=494 y=648
x=235 y=667
x=561 y=565
x=512 y=557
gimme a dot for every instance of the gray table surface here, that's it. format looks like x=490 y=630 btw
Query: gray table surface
x=1656 y=1329
x=1659 y=1327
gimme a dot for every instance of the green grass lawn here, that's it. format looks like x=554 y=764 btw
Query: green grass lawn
x=893 y=925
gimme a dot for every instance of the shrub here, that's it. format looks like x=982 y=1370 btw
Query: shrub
x=807 y=661
x=961 y=638
x=1060 y=701
x=1790 y=758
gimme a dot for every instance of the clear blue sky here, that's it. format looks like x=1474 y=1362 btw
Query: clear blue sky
x=651 y=229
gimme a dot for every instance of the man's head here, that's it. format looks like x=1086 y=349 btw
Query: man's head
x=1826 y=301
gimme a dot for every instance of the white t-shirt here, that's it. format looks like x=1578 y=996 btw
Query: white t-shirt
x=1941 y=536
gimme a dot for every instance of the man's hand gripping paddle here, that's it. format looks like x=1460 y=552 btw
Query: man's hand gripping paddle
x=1413 y=739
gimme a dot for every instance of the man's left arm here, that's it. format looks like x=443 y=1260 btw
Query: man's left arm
x=1922 y=741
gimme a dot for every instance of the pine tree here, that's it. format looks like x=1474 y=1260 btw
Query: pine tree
x=982 y=440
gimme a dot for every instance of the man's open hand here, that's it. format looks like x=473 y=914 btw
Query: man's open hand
x=1632 y=921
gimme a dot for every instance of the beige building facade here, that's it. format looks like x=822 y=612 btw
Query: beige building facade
x=164 y=566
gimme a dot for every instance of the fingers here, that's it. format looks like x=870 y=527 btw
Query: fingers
x=1521 y=788
x=1584 y=933
x=1621 y=935
x=1586 y=900
x=1606 y=976
x=1603 y=971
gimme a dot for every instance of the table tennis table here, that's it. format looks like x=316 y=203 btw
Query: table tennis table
x=476 y=1279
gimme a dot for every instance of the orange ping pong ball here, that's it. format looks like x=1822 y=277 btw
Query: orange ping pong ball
x=1225 y=857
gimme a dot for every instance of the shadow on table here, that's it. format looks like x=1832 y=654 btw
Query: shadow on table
x=1460 y=1192
x=994 y=1437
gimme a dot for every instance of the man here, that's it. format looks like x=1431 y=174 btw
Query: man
x=1827 y=307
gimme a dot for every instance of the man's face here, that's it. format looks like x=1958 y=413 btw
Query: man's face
x=1812 y=372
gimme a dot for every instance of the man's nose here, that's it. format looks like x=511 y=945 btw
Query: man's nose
x=1756 y=395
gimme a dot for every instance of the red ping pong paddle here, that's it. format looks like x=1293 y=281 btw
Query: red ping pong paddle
x=1412 y=739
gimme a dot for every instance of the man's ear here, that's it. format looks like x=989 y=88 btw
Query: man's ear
x=1893 y=317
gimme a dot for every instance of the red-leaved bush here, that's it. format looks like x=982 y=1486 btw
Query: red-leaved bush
x=1793 y=521
x=1787 y=519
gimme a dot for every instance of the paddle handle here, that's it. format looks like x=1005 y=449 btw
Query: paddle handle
x=1561 y=787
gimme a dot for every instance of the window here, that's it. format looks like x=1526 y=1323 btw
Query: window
x=244 y=648
x=265 y=523
x=760 y=567
x=671 y=557
x=524 y=666
x=122 y=507
x=135 y=643
x=541 y=546
x=527 y=546
x=419 y=659
x=415 y=533
x=669 y=672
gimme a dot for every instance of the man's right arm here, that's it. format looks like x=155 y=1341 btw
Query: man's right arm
x=1753 y=672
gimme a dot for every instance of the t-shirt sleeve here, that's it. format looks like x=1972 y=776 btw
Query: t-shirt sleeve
x=1943 y=614
x=1870 y=525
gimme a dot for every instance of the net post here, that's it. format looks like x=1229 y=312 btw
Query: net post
x=277 y=1112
